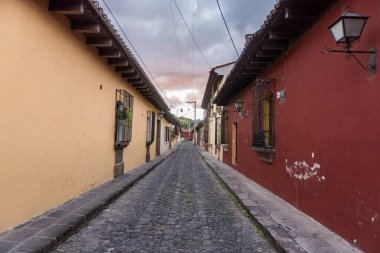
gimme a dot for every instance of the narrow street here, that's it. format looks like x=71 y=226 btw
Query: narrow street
x=178 y=207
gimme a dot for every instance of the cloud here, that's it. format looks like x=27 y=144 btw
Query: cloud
x=179 y=68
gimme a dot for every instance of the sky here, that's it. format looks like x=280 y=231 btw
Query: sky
x=158 y=33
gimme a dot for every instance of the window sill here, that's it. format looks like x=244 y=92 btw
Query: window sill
x=121 y=145
x=265 y=150
x=265 y=155
x=225 y=147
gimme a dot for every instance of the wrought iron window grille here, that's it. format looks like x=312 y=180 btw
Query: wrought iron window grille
x=124 y=116
x=263 y=134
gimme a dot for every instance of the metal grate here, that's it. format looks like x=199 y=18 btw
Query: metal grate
x=124 y=116
x=224 y=133
x=263 y=137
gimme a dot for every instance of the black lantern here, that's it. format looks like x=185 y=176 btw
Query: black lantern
x=161 y=114
x=239 y=104
x=348 y=28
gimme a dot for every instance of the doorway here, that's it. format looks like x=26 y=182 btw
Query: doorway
x=234 y=143
x=158 y=136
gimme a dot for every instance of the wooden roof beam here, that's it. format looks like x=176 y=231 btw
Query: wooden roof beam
x=258 y=66
x=66 y=7
x=140 y=85
x=294 y=14
x=251 y=71
x=247 y=76
x=118 y=62
x=124 y=69
x=243 y=79
x=134 y=78
x=262 y=60
x=268 y=53
x=85 y=28
x=281 y=35
x=131 y=74
x=99 y=42
x=136 y=81
x=143 y=92
x=275 y=45
x=110 y=53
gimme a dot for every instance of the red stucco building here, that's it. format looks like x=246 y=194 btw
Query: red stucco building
x=186 y=134
x=309 y=127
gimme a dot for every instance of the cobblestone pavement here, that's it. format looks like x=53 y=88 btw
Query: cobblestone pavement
x=178 y=207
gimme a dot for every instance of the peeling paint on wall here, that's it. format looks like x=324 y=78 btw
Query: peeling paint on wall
x=303 y=171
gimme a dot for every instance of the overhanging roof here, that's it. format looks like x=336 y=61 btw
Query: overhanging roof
x=213 y=80
x=88 y=18
x=171 y=118
x=283 y=27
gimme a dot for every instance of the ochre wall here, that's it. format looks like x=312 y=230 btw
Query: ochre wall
x=57 y=125
x=329 y=117
x=164 y=145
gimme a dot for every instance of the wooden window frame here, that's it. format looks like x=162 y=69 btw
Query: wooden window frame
x=123 y=119
x=263 y=116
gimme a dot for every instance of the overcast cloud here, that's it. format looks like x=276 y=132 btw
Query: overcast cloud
x=181 y=71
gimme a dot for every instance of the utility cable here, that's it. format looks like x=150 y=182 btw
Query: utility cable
x=177 y=44
x=228 y=30
x=122 y=30
x=192 y=53
x=196 y=43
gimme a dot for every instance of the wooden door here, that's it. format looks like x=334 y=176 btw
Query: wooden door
x=234 y=143
x=158 y=138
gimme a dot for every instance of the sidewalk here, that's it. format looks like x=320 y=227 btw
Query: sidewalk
x=44 y=232
x=286 y=227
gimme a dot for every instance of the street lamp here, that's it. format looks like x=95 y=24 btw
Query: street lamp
x=180 y=109
x=161 y=114
x=195 y=116
x=347 y=30
x=239 y=106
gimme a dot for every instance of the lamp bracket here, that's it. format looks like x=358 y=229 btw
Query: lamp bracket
x=242 y=114
x=371 y=67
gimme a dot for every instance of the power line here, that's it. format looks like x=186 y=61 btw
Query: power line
x=122 y=30
x=192 y=53
x=196 y=43
x=176 y=42
x=228 y=30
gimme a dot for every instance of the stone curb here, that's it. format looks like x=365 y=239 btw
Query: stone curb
x=211 y=164
x=44 y=232
x=292 y=231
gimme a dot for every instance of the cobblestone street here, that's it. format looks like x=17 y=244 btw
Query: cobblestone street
x=178 y=207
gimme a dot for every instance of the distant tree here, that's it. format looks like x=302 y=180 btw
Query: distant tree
x=185 y=122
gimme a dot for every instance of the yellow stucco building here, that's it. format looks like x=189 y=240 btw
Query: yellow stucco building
x=74 y=106
x=214 y=141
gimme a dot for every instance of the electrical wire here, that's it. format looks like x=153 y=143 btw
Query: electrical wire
x=192 y=36
x=177 y=44
x=134 y=49
x=228 y=30
x=192 y=53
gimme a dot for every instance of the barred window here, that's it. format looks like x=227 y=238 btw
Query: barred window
x=263 y=114
x=224 y=133
x=124 y=116
x=148 y=126
x=205 y=135
x=167 y=134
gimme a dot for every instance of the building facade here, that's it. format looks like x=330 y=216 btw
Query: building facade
x=214 y=117
x=308 y=127
x=75 y=105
